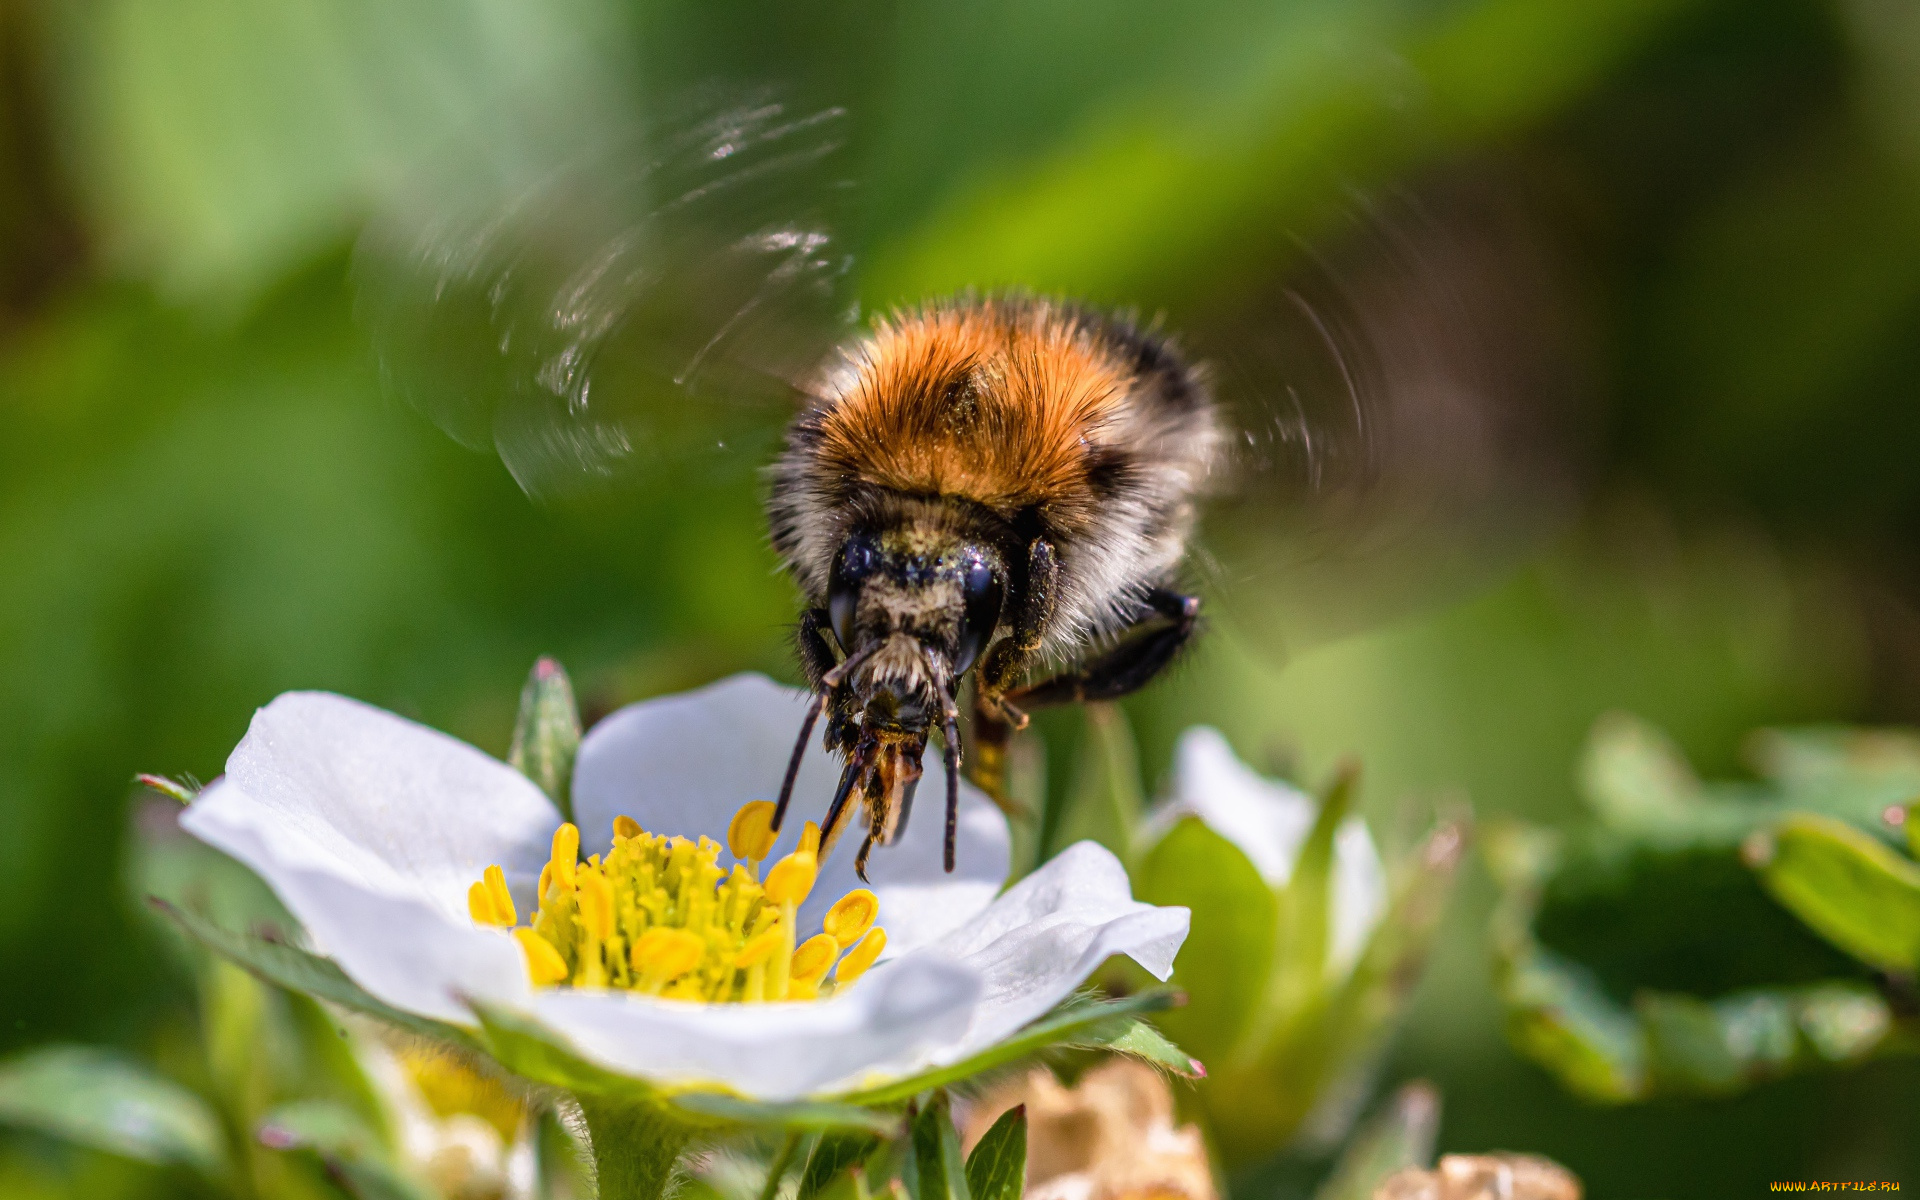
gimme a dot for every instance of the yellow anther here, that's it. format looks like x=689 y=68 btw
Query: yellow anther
x=566 y=854
x=503 y=910
x=858 y=959
x=851 y=916
x=596 y=904
x=810 y=838
x=750 y=834
x=626 y=827
x=790 y=879
x=814 y=959
x=480 y=906
x=546 y=880
x=667 y=954
x=759 y=949
x=544 y=963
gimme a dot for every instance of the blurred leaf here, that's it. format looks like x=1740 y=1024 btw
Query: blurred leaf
x=1306 y=902
x=546 y=735
x=997 y=1168
x=1401 y=1134
x=107 y=1102
x=936 y=1147
x=1227 y=960
x=1848 y=886
x=351 y=1151
x=1104 y=802
x=218 y=148
x=297 y=970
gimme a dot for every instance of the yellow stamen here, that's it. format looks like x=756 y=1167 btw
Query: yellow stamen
x=790 y=879
x=814 y=959
x=667 y=954
x=503 y=911
x=851 y=916
x=543 y=961
x=566 y=854
x=759 y=950
x=750 y=834
x=858 y=959
x=480 y=906
x=660 y=915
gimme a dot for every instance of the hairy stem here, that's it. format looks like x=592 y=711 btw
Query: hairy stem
x=635 y=1147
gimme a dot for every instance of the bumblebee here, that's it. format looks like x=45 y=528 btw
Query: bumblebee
x=977 y=486
x=988 y=486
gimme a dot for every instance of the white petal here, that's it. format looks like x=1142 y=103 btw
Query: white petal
x=1269 y=820
x=685 y=764
x=391 y=805
x=370 y=829
x=1049 y=933
x=772 y=1051
x=393 y=942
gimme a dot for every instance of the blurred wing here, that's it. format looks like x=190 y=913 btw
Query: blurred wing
x=643 y=304
x=1405 y=407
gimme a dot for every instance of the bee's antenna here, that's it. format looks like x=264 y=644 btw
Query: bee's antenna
x=828 y=682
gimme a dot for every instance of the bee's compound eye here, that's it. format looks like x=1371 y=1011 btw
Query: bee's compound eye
x=981 y=588
x=856 y=560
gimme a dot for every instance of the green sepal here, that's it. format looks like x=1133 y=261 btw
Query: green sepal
x=99 y=1099
x=352 y=1152
x=1227 y=959
x=1080 y=1023
x=997 y=1168
x=297 y=970
x=1848 y=886
x=546 y=735
x=1306 y=905
x=1139 y=1039
x=830 y=1155
x=529 y=1049
x=1400 y=1135
x=942 y=1169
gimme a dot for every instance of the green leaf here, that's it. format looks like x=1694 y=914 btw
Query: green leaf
x=833 y=1152
x=102 y=1100
x=997 y=1168
x=803 y=1115
x=1228 y=957
x=353 y=1152
x=1104 y=802
x=297 y=970
x=1401 y=1135
x=546 y=736
x=1848 y=886
x=936 y=1149
x=1077 y=1023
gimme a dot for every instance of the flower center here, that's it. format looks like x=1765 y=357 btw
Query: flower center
x=660 y=916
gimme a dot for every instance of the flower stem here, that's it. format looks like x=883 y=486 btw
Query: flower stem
x=779 y=1169
x=635 y=1146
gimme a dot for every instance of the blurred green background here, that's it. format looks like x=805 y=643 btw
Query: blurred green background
x=206 y=497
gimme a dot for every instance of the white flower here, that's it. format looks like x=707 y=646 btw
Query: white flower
x=1268 y=821
x=372 y=830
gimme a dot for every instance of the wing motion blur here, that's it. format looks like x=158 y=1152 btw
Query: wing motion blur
x=643 y=302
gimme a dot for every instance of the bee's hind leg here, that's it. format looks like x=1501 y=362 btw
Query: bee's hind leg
x=1129 y=666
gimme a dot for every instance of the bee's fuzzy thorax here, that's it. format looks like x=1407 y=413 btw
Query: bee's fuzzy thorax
x=1038 y=418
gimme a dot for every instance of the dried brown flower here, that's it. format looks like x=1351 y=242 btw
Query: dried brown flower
x=1483 y=1177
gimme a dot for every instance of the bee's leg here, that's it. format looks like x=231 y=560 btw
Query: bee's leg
x=1129 y=666
x=994 y=720
x=815 y=644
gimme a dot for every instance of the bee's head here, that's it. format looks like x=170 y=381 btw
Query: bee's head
x=920 y=601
